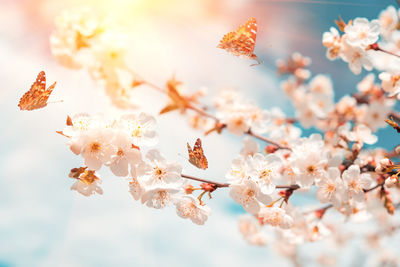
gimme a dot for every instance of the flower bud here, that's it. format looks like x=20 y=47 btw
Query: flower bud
x=391 y=181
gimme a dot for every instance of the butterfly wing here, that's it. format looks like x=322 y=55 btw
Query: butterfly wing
x=242 y=41
x=37 y=95
x=196 y=155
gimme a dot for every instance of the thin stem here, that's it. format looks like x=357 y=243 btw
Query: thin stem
x=249 y=132
x=291 y=187
x=265 y=139
x=325 y=208
x=204 y=180
x=217 y=184
x=158 y=88
x=374 y=187
x=387 y=52
x=203 y=112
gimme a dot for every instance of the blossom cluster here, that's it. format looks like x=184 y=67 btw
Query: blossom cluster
x=83 y=40
x=118 y=144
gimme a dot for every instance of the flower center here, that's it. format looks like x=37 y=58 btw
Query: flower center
x=363 y=35
x=239 y=122
x=159 y=172
x=250 y=193
x=137 y=131
x=95 y=147
x=354 y=185
x=311 y=169
x=120 y=153
x=265 y=174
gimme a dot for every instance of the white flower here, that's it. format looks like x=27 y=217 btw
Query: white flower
x=321 y=85
x=355 y=182
x=96 y=147
x=306 y=114
x=250 y=147
x=157 y=171
x=226 y=97
x=140 y=128
x=238 y=171
x=366 y=84
x=259 y=119
x=70 y=42
x=251 y=232
x=135 y=188
x=264 y=170
x=125 y=156
x=190 y=207
x=110 y=49
x=80 y=123
x=388 y=20
x=374 y=114
x=276 y=217
x=159 y=197
x=363 y=134
x=390 y=83
x=331 y=188
x=249 y=195
x=347 y=106
x=356 y=56
x=362 y=33
x=308 y=160
x=88 y=184
x=360 y=133
x=332 y=41
x=237 y=121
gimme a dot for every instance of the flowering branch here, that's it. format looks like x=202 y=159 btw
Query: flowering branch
x=204 y=113
x=217 y=184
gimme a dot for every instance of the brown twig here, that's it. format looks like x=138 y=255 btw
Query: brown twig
x=373 y=188
x=376 y=47
x=204 y=180
x=217 y=184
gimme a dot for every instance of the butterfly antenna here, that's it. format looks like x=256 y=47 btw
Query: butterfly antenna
x=259 y=62
x=56 y=101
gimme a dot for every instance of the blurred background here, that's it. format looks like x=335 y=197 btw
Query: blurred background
x=43 y=223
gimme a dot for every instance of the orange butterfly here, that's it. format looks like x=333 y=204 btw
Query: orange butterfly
x=38 y=95
x=196 y=156
x=242 y=42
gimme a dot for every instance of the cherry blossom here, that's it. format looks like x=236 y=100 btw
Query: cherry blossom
x=331 y=188
x=250 y=147
x=95 y=147
x=264 y=170
x=390 y=83
x=356 y=56
x=156 y=170
x=125 y=156
x=140 y=127
x=362 y=32
x=249 y=195
x=275 y=216
x=190 y=207
x=159 y=197
x=332 y=41
x=355 y=182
